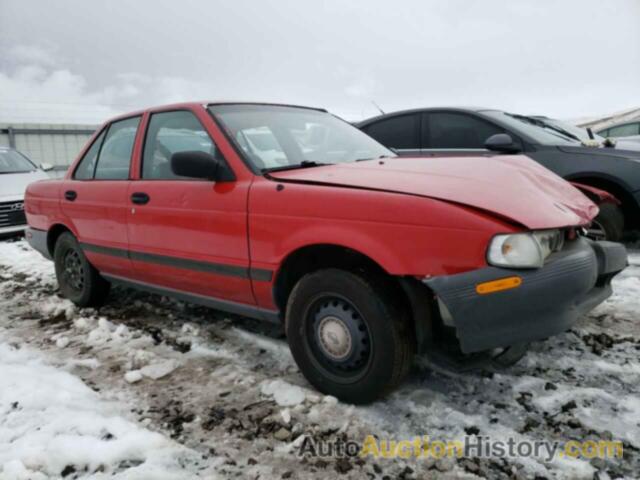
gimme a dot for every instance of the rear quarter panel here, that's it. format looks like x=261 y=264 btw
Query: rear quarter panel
x=42 y=204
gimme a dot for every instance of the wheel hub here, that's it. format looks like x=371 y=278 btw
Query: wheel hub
x=335 y=338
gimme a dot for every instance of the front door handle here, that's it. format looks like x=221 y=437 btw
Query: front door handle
x=70 y=195
x=140 y=198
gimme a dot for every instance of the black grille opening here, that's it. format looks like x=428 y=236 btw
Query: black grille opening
x=12 y=214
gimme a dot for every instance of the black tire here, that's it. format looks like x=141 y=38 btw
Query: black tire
x=509 y=356
x=79 y=281
x=380 y=345
x=608 y=225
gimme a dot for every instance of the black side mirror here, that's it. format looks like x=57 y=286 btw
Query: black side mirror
x=200 y=165
x=503 y=143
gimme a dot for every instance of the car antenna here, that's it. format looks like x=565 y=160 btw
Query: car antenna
x=377 y=106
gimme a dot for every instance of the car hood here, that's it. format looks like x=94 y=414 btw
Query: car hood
x=510 y=186
x=13 y=185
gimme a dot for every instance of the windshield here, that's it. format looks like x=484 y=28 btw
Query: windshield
x=532 y=128
x=278 y=137
x=14 y=162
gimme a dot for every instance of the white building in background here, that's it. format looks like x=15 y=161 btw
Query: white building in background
x=47 y=143
x=598 y=123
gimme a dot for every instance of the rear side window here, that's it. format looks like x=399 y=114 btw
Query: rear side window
x=88 y=163
x=456 y=130
x=168 y=133
x=399 y=132
x=114 y=158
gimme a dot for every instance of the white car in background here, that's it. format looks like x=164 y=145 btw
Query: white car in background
x=16 y=172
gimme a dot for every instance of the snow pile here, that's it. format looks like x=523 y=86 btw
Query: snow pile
x=21 y=259
x=285 y=394
x=51 y=423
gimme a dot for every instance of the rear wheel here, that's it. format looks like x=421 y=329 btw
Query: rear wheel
x=608 y=225
x=347 y=335
x=79 y=281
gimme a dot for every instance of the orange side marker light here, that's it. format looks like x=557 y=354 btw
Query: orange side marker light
x=498 y=285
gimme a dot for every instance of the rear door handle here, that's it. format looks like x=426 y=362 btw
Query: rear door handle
x=70 y=195
x=140 y=198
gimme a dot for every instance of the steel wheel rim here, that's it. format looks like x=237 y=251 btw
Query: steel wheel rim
x=73 y=270
x=338 y=338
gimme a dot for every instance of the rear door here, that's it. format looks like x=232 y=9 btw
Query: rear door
x=95 y=198
x=187 y=234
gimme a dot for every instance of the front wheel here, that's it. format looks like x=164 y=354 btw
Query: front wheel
x=509 y=356
x=608 y=225
x=348 y=337
x=79 y=281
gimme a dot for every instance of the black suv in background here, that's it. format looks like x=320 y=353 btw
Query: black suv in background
x=471 y=131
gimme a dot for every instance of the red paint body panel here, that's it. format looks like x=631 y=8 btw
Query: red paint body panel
x=99 y=216
x=514 y=187
x=194 y=220
x=411 y=216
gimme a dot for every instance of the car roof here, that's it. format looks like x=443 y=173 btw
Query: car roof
x=183 y=105
x=366 y=122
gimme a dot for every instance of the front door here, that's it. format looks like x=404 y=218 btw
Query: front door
x=187 y=234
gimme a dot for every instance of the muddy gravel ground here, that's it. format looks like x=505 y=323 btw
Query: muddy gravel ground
x=227 y=389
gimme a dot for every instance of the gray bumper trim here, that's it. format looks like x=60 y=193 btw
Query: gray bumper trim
x=38 y=240
x=548 y=302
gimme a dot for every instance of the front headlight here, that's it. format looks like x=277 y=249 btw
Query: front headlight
x=524 y=250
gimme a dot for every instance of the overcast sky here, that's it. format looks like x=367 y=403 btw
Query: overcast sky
x=82 y=61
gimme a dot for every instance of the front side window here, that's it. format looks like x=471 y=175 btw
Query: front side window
x=400 y=132
x=168 y=133
x=275 y=137
x=114 y=158
x=13 y=162
x=87 y=165
x=456 y=130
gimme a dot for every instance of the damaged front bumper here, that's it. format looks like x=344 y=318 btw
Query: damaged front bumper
x=545 y=302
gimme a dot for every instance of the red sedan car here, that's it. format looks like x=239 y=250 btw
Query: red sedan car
x=292 y=215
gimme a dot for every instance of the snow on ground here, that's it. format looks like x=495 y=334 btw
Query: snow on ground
x=52 y=423
x=148 y=387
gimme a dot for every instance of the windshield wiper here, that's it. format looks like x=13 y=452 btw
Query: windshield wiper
x=373 y=158
x=302 y=164
x=543 y=124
